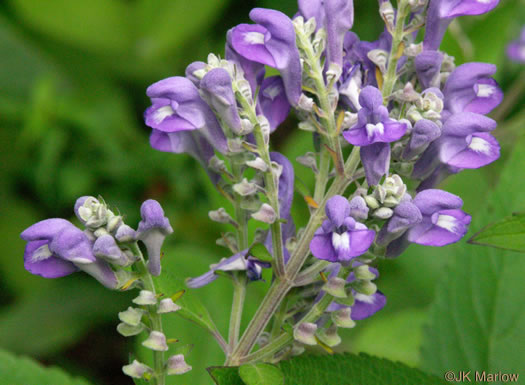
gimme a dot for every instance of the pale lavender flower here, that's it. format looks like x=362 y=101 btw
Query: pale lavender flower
x=340 y=238
x=271 y=41
x=272 y=101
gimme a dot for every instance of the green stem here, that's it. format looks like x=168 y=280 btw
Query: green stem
x=281 y=286
x=391 y=75
x=156 y=321
x=322 y=175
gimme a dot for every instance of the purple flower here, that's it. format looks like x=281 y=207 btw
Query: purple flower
x=441 y=13
x=57 y=248
x=216 y=90
x=406 y=215
x=464 y=144
x=442 y=220
x=373 y=131
x=153 y=228
x=272 y=101
x=423 y=133
x=428 y=66
x=470 y=87
x=336 y=17
x=271 y=42
x=191 y=69
x=516 y=49
x=182 y=121
x=340 y=238
x=364 y=305
x=237 y=262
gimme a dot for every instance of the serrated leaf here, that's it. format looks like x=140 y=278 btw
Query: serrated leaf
x=261 y=374
x=340 y=369
x=260 y=252
x=507 y=233
x=477 y=320
x=24 y=370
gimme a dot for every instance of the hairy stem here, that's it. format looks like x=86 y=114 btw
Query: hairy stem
x=397 y=38
x=281 y=286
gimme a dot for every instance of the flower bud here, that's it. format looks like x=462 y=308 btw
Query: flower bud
x=258 y=164
x=125 y=234
x=265 y=214
x=220 y=215
x=379 y=57
x=145 y=297
x=307 y=126
x=329 y=336
x=308 y=160
x=245 y=188
x=132 y=316
x=177 y=365
x=167 y=305
x=136 y=369
x=342 y=318
x=364 y=287
x=305 y=333
x=358 y=208
x=383 y=213
x=336 y=287
x=371 y=202
x=156 y=341
x=129 y=330
x=306 y=103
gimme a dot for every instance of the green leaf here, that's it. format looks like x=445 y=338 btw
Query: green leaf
x=478 y=320
x=23 y=370
x=260 y=251
x=507 y=233
x=261 y=374
x=340 y=369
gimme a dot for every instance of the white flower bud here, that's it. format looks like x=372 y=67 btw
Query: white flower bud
x=145 y=297
x=335 y=287
x=265 y=214
x=167 y=306
x=132 y=316
x=220 y=215
x=308 y=160
x=156 y=341
x=383 y=213
x=342 y=318
x=329 y=336
x=136 y=369
x=371 y=202
x=258 y=164
x=305 y=333
x=363 y=272
x=245 y=188
x=176 y=365
x=306 y=103
x=364 y=287
x=129 y=330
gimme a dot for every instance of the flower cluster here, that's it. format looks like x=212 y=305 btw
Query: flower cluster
x=408 y=114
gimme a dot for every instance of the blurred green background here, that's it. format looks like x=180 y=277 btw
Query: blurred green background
x=73 y=76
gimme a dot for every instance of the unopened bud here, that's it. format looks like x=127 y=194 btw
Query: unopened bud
x=258 y=164
x=145 y=297
x=125 y=234
x=306 y=103
x=383 y=213
x=137 y=370
x=379 y=57
x=132 y=316
x=307 y=126
x=156 y=341
x=176 y=365
x=365 y=287
x=371 y=202
x=220 y=215
x=329 y=336
x=342 y=318
x=167 y=305
x=129 y=330
x=265 y=214
x=363 y=272
x=308 y=160
x=305 y=333
x=336 y=287
x=245 y=188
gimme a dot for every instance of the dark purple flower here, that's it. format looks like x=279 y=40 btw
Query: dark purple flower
x=57 y=248
x=423 y=133
x=336 y=17
x=182 y=121
x=271 y=42
x=340 y=238
x=406 y=215
x=440 y=14
x=516 y=49
x=470 y=87
x=442 y=220
x=373 y=131
x=237 y=262
x=153 y=228
x=272 y=101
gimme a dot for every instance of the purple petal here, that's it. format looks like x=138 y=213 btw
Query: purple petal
x=191 y=69
x=428 y=66
x=447 y=226
x=201 y=280
x=360 y=241
x=339 y=19
x=516 y=52
x=102 y=272
x=367 y=305
x=46 y=229
x=273 y=102
x=153 y=217
x=73 y=245
x=282 y=48
x=216 y=90
x=423 y=133
x=467 y=123
x=406 y=215
x=454 y=8
x=337 y=209
x=432 y=200
x=481 y=149
x=376 y=161
x=249 y=41
x=488 y=96
x=370 y=98
x=36 y=261
x=322 y=248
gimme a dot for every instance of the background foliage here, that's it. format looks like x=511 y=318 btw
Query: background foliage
x=73 y=76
